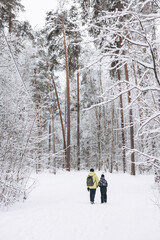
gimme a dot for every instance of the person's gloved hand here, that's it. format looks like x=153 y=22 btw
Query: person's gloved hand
x=88 y=188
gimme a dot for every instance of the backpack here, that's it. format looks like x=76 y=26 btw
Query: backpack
x=90 y=182
x=103 y=183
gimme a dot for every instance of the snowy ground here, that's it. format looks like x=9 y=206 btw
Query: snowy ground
x=58 y=208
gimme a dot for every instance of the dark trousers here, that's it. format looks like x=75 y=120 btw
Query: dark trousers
x=103 y=191
x=92 y=195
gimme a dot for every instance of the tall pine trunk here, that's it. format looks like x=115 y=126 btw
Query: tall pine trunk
x=49 y=110
x=68 y=99
x=133 y=172
x=53 y=137
x=98 y=128
x=104 y=132
x=122 y=125
x=78 y=118
x=112 y=141
x=38 y=117
x=60 y=115
x=131 y=123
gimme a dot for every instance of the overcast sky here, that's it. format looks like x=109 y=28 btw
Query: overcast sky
x=36 y=11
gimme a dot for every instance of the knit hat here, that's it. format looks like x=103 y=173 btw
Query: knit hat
x=91 y=170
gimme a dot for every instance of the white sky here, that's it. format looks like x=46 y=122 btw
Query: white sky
x=36 y=11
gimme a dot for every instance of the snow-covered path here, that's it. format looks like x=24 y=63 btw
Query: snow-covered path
x=59 y=209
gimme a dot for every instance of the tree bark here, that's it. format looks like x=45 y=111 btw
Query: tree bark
x=105 y=144
x=98 y=127
x=53 y=137
x=38 y=165
x=78 y=118
x=112 y=141
x=49 y=110
x=60 y=115
x=130 y=114
x=131 y=124
x=68 y=99
x=122 y=125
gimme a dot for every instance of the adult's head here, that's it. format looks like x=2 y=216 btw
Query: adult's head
x=102 y=176
x=91 y=170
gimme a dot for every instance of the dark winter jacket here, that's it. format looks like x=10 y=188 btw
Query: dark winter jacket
x=103 y=182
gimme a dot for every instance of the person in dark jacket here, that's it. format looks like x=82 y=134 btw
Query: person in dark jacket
x=103 y=188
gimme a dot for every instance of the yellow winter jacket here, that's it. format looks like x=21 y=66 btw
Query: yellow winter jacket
x=95 y=180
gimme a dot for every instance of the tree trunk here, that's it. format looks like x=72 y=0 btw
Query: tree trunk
x=53 y=137
x=49 y=110
x=122 y=125
x=99 y=139
x=112 y=141
x=60 y=114
x=98 y=127
x=130 y=114
x=68 y=98
x=131 y=124
x=10 y=19
x=78 y=118
x=104 y=132
x=38 y=165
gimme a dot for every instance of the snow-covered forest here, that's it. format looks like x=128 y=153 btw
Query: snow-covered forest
x=83 y=91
